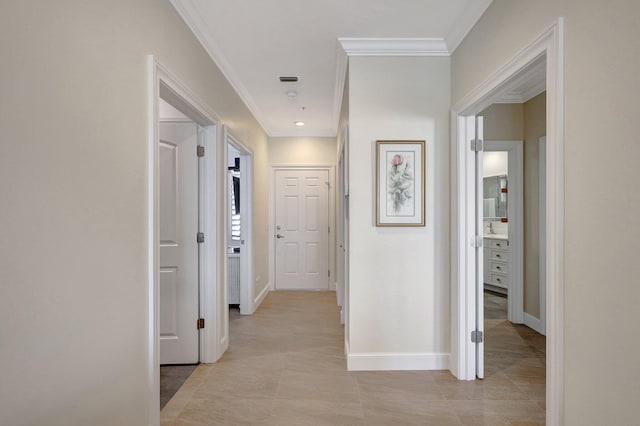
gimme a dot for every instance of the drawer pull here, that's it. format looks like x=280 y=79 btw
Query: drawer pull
x=498 y=245
x=498 y=280
x=498 y=256
x=498 y=268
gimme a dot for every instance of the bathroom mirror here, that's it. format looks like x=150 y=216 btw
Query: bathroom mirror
x=495 y=196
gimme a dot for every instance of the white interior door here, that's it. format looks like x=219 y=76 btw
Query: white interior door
x=302 y=229
x=479 y=216
x=178 y=185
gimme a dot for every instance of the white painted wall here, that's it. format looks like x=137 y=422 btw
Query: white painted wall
x=495 y=163
x=74 y=300
x=399 y=277
x=601 y=161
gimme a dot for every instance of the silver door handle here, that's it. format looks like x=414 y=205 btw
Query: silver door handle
x=279 y=236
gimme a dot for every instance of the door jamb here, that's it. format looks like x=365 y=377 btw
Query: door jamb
x=551 y=44
x=272 y=218
x=162 y=83
x=542 y=323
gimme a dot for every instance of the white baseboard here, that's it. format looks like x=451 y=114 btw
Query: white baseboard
x=533 y=322
x=333 y=286
x=260 y=298
x=397 y=361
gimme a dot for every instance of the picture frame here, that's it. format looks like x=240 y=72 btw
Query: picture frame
x=400 y=182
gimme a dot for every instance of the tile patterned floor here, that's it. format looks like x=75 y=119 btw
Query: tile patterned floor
x=285 y=366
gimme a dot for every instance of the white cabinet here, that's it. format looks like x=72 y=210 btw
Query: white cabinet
x=496 y=264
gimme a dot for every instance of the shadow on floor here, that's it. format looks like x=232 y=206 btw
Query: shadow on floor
x=172 y=377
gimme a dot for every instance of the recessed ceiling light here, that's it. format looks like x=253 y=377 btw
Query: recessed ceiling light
x=292 y=93
x=299 y=123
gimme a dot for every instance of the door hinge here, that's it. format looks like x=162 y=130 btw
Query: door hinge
x=329 y=273
x=477 y=337
x=200 y=323
x=200 y=151
x=476 y=145
x=328 y=229
x=477 y=241
x=200 y=237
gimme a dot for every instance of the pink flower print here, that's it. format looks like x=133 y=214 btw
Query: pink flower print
x=397 y=160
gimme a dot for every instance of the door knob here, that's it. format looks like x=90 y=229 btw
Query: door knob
x=279 y=236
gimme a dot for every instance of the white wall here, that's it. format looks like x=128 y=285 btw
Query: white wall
x=495 y=163
x=399 y=282
x=601 y=152
x=73 y=217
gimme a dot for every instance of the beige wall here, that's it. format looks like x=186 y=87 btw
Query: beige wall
x=601 y=152
x=503 y=122
x=535 y=126
x=398 y=278
x=73 y=166
x=300 y=151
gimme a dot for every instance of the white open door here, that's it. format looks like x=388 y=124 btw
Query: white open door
x=302 y=229
x=178 y=186
x=479 y=215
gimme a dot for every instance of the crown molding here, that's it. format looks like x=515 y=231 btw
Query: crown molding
x=192 y=17
x=394 y=46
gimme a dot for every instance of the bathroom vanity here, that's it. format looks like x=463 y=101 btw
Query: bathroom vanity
x=496 y=263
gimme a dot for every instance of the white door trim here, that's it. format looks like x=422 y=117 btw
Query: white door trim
x=247 y=302
x=551 y=44
x=515 y=213
x=543 y=236
x=330 y=168
x=161 y=83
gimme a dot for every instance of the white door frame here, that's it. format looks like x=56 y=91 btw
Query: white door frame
x=341 y=226
x=541 y=325
x=247 y=302
x=162 y=84
x=330 y=168
x=515 y=214
x=550 y=44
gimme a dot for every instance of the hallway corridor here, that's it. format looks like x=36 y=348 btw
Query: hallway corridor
x=286 y=366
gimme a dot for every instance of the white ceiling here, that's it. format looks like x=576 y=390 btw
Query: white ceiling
x=256 y=41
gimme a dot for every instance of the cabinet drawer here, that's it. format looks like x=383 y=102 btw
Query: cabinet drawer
x=499 y=267
x=499 y=255
x=499 y=244
x=499 y=280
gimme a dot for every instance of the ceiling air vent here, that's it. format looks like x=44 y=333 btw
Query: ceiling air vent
x=288 y=79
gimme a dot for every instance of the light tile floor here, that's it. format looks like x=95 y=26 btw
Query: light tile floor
x=285 y=366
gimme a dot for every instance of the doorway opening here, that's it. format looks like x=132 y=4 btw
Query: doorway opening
x=182 y=239
x=503 y=214
x=546 y=54
x=239 y=224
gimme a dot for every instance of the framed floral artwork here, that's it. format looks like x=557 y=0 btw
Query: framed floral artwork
x=400 y=183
